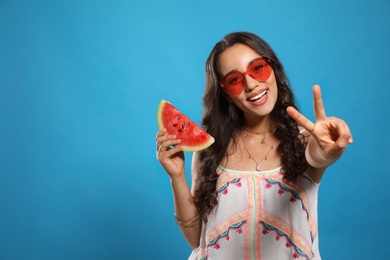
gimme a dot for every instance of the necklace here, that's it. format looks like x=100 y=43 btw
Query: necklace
x=259 y=133
x=262 y=140
x=253 y=159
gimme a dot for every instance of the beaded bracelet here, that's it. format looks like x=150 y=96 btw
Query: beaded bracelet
x=187 y=224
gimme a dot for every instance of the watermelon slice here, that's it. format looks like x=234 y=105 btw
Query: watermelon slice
x=193 y=138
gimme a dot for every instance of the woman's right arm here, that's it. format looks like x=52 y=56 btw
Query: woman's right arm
x=171 y=157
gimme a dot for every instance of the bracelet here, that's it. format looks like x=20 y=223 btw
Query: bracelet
x=187 y=224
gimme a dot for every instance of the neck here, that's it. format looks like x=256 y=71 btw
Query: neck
x=259 y=126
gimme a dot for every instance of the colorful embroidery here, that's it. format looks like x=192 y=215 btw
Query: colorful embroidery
x=224 y=233
x=202 y=255
x=223 y=188
x=296 y=195
x=282 y=229
x=285 y=188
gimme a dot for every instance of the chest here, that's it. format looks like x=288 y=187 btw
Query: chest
x=251 y=155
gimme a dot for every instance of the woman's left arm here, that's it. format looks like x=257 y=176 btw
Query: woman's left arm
x=329 y=137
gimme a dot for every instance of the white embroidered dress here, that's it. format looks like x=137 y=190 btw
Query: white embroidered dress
x=261 y=216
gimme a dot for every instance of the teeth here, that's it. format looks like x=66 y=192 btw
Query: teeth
x=258 y=96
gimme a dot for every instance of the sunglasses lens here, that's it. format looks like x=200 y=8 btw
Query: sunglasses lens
x=259 y=70
x=234 y=83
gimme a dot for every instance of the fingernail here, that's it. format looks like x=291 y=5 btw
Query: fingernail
x=348 y=138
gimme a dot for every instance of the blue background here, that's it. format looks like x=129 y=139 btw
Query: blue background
x=80 y=82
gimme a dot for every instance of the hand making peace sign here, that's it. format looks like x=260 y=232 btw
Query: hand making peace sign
x=331 y=134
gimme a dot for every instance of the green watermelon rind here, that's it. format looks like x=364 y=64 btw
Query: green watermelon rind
x=186 y=148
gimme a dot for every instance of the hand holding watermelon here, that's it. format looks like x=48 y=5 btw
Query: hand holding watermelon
x=170 y=153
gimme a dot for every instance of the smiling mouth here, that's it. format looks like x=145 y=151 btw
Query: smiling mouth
x=258 y=97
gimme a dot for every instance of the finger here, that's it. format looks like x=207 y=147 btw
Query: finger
x=163 y=138
x=165 y=153
x=341 y=144
x=168 y=144
x=319 y=110
x=341 y=127
x=301 y=119
x=174 y=150
x=161 y=132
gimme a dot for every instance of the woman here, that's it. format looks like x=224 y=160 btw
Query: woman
x=254 y=191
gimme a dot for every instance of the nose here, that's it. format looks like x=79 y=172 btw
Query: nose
x=250 y=83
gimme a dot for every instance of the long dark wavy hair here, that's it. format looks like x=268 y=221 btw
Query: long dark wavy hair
x=222 y=119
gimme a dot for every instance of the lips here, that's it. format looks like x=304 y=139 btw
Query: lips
x=257 y=96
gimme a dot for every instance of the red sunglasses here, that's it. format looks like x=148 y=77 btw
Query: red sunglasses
x=234 y=82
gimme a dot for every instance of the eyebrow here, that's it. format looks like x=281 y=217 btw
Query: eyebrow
x=249 y=63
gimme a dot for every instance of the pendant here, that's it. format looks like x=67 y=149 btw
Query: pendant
x=257 y=169
x=262 y=141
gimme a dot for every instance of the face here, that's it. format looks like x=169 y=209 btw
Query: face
x=248 y=80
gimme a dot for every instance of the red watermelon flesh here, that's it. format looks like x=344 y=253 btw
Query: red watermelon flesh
x=193 y=138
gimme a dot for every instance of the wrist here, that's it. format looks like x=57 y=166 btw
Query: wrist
x=318 y=157
x=178 y=178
